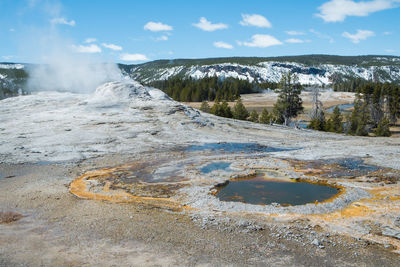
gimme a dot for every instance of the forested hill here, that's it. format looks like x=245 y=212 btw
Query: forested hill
x=323 y=70
x=311 y=69
x=368 y=60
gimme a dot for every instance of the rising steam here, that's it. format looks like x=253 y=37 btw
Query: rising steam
x=63 y=68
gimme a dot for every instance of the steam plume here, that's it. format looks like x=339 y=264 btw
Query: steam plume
x=63 y=68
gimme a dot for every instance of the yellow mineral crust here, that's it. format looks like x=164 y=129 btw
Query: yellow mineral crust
x=82 y=188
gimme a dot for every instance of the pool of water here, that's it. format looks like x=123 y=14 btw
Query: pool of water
x=261 y=191
x=216 y=166
x=345 y=167
x=356 y=165
x=342 y=107
x=301 y=124
x=236 y=148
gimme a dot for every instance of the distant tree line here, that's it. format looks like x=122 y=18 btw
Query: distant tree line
x=238 y=112
x=376 y=107
x=288 y=105
x=209 y=88
x=349 y=85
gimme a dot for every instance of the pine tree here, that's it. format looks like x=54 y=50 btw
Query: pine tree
x=265 y=117
x=377 y=105
x=354 y=119
x=329 y=125
x=239 y=110
x=216 y=108
x=205 y=107
x=289 y=103
x=254 y=116
x=364 y=120
x=335 y=122
x=226 y=110
x=383 y=128
x=318 y=123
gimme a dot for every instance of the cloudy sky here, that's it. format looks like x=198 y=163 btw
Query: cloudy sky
x=138 y=31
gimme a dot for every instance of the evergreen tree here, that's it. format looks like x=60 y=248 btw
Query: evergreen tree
x=361 y=128
x=226 y=110
x=265 y=117
x=318 y=123
x=394 y=103
x=329 y=125
x=239 y=110
x=205 y=107
x=335 y=123
x=216 y=109
x=377 y=105
x=289 y=103
x=355 y=117
x=383 y=128
x=364 y=124
x=254 y=116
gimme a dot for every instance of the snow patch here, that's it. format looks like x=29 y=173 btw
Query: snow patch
x=12 y=66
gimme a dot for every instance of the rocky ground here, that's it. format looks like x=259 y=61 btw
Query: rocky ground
x=58 y=228
x=144 y=200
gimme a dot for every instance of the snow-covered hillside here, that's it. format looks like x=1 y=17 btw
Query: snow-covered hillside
x=11 y=66
x=271 y=71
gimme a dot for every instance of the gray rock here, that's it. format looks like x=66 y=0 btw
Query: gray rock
x=397 y=221
x=315 y=242
x=388 y=231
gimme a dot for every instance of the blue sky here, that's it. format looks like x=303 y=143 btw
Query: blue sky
x=139 y=31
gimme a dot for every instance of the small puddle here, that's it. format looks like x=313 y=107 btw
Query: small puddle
x=236 y=148
x=301 y=124
x=263 y=191
x=216 y=166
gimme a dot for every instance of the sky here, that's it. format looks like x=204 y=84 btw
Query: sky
x=131 y=32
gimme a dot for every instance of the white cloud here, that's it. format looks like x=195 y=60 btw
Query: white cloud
x=338 y=10
x=12 y=30
x=390 y=50
x=7 y=57
x=322 y=36
x=261 y=40
x=62 y=21
x=162 y=38
x=90 y=40
x=294 y=41
x=157 y=27
x=358 y=36
x=133 y=57
x=88 y=49
x=206 y=25
x=223 y=45
x=255 y=20
x=112 y=46
x=294 y=33
x=387 y=33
